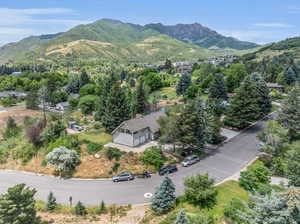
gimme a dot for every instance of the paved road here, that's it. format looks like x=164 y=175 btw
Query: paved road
x=226 y=161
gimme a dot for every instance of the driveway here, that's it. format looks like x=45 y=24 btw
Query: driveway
x=224 y=162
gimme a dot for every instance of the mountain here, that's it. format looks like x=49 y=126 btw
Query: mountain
x=289 y=47
x=113 y=39
x=201 y=36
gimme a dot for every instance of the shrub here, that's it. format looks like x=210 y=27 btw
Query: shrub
x=102 y=209
x=114 y=153
x=94 y=147
x=97 y=126
x=80 y=209
x=87 y=104
x=73 y=102
x=115 y=167
x=154 y=157
x=51 y=202
x=199 y=191
x=11 y=129
x=254 y=176
x=53 y=131
x=63 y=160
x=231 y=211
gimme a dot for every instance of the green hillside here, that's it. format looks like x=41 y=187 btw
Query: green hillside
x=108 y=39
x=289 y=47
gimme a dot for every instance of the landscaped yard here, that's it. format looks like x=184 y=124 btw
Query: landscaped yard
x=96 y=137
x=226 y=191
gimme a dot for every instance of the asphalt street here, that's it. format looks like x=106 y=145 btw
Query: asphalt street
x=226 y=161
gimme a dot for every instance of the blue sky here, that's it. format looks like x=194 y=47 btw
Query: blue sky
x=259 y=21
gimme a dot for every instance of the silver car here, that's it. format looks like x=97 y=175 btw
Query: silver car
x=190 y=160
x=123 y=177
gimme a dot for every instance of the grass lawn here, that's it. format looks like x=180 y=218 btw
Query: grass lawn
x=226 y=191
x=164 y=93
x=96 y=136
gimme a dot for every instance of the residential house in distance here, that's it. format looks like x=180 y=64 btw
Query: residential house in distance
x=138 y=131
x=15 y=94
x=275 y=86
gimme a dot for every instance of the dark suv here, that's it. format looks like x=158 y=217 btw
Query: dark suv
x=123 y=177
x=167 y=169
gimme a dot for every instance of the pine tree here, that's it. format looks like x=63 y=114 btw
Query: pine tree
x=18 y=206
x=84 y=79
x=164 y=197
x=183 y=84
x=217 y=88
x=290 y=76
x=289 y=114
x=11 y=128
x=117 y=108
x=201 y=128
x=105 y=84
x=140 y=98
x=51 y=202
x=80 y=209
x=270 y=209
x=263 y=92
x=245 y=106
x=293 y=166
x=181 y=218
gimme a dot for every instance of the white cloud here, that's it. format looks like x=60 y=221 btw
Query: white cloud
x=16 y=24
x=273 y=25
x=257 y=36
x=29 y=16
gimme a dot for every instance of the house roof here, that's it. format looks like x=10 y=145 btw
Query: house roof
x=148 y=121
x=274 y=85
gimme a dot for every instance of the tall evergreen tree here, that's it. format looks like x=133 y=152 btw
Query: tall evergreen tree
x=293 y=166
x=217 y=88
x=105 y=84
x=140 y=98
x=18 y=206
x=290 y=76
x=183 y=84
x=245 y=106
x=289 y=114
x=84 y=78
x=164 y=197
x=263 y=93
x=117 y=108
x=181 y=218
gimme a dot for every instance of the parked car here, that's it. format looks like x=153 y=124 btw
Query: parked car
x=123 y=177
x=190 y=160
x=167 y=169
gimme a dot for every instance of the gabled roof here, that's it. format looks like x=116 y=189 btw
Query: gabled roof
x=148 y=121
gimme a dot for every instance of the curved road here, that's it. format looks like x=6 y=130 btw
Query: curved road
x=225 y=162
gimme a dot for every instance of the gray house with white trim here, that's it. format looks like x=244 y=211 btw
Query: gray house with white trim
x=138 y=131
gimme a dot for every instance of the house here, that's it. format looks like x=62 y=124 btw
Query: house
x=139 y=130
x=275 y=86
x=15 y=94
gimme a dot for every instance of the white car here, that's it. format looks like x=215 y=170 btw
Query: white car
x=190 y=160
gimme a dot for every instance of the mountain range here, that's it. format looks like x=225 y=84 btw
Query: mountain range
x=113 y=39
